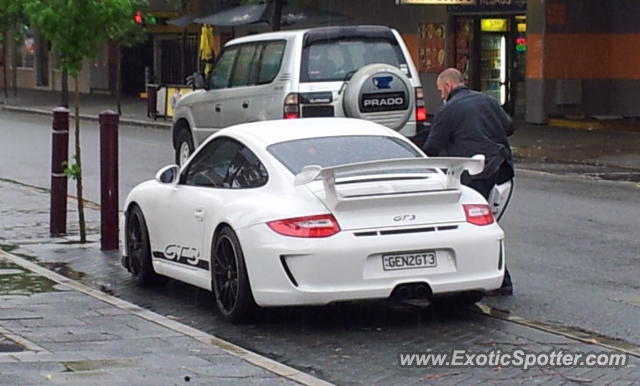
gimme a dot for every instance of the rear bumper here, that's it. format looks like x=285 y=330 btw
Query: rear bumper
x=290 y=271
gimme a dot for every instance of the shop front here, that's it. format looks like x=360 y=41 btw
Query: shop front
x=490 y=48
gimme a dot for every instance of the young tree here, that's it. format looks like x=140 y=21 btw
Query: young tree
x=10 y=16
x=77 y=29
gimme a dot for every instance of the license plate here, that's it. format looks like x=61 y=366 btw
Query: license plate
x=411 y=260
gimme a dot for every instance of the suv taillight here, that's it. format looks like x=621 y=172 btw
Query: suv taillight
x=421 y=109
x=323 y=225
x=478 y=214
x=291 y=108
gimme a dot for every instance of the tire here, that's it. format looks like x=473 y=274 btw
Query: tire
x=184 y=145
x=229 y=279
x=139 y=249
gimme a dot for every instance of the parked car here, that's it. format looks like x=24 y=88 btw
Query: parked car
x=310 y=212
x=362 y=72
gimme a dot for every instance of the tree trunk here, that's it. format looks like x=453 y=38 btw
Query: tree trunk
x=5 y=40
x=118 y=78
x=276 y=16
x=64 y=101
x=83 y=230
x=14 y=60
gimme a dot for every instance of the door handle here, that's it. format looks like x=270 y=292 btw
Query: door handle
x=218 y=108
x=199 y=214
x=245 y=105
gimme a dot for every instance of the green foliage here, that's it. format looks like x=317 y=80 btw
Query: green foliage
x=11 y=11
x=128 y=32
x=72 y=171
x=77 y=29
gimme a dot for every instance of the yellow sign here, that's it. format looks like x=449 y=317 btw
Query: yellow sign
x=173 y=95
x=522 y=27
x=436 y=2
x=493 y=25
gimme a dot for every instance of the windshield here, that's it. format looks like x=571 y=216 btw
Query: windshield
x=332 y=151
x=334 y=59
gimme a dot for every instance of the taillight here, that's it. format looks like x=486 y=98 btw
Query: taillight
x=291 y=108
x=421 y=109
x=323 y=225
x=478 y=214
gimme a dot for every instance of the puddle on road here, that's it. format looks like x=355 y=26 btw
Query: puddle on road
x=14 y=280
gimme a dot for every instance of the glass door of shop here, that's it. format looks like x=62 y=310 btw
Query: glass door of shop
x=494 y=59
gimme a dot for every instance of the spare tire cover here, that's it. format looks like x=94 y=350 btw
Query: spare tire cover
x=379 y=93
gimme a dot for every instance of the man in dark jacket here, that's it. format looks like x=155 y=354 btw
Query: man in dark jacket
x=470 y=123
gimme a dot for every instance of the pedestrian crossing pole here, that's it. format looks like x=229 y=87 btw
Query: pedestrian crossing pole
x=59 y=160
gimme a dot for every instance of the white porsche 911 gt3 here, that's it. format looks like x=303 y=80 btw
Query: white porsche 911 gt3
x=310 y=212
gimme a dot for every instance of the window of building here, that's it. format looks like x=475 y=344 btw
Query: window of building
x=26 y=47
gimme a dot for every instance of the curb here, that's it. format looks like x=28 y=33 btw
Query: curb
x=614 y=125
x=265 y=363
x=87 y=117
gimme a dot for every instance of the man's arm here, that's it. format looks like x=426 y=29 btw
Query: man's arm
x=439 y=134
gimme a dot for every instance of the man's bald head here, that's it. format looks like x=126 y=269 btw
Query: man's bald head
x=448 y=80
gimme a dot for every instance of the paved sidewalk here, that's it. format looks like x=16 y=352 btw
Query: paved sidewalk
x=54 y=330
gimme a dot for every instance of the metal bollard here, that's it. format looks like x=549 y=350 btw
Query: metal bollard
x=109 y=180
x=59 y=155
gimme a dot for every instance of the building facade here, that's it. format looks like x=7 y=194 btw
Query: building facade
x=538 y=58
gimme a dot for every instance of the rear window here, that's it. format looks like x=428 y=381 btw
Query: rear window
x=335 y=59
x=333 y=151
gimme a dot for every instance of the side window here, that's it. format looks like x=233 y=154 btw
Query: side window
x=246 y=171
x=242 y=71
x=211 y=165
x=270 y=61
x=222 y=71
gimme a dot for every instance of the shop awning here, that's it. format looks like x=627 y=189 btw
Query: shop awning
x=244 y=14
x=292 y=14
x=183 y=21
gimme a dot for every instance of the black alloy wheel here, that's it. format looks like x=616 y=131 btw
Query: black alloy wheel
x=230 y=282
x=138 y=248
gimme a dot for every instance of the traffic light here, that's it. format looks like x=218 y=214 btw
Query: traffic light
x=138 y=18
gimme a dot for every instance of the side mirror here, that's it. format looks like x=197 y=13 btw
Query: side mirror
x=196 y=80
x=168 y=174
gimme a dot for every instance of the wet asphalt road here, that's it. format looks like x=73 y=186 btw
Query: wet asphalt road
x=572 y=245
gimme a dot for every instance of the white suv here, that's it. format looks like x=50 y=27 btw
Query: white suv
x=363 y=72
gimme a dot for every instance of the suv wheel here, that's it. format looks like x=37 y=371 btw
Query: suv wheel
x=184 y=146
x=380 y=93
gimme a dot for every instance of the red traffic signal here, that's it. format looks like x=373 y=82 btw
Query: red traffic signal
x=138 y=17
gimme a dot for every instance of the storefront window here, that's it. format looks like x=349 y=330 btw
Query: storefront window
x=26 y=48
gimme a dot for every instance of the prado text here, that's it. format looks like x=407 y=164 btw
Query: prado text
x=514 y=358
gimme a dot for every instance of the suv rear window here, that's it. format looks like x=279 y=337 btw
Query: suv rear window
x=335 y=59
x=332 y=151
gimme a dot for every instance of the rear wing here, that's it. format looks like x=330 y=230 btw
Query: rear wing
x=455 y=166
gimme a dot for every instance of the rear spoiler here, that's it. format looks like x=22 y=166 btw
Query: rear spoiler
x=455 y=167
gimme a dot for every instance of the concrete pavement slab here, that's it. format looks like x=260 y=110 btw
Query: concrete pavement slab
x=77 y=351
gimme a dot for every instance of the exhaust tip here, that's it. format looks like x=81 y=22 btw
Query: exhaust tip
x=411 y=291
